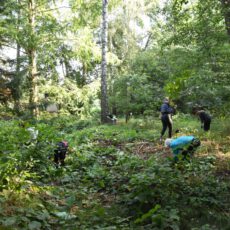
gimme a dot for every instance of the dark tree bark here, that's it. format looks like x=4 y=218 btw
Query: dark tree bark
x=226 y=12
x=17 y=80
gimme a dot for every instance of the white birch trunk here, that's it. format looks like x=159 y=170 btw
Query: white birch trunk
x=104 y=99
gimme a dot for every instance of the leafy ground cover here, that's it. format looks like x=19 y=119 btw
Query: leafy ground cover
x=116 y=177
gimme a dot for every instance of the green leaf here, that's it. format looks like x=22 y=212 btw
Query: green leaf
x=64 y=215
x=34 y=225
x=148 y=214
x=10 y=221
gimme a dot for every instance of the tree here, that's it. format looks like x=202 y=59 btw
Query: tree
x=132 y=94
x=197 y=49
x=104 y=97
x=16 y=82
x=226 y=13
x=33 y=27
x=32 y=56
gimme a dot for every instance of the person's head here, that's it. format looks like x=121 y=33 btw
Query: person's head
x=166 y=100
x=168 y=142
x=196 y=142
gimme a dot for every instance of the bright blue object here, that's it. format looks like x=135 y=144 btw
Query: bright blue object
x=179 y=144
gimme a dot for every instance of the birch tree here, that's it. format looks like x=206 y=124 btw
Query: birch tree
x=33 y=95
x=104 y=98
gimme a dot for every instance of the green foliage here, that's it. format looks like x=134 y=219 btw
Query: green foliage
x=195 y=54
x=131 y=93
x=177 y=189
x=116 y=177
x=105 y=182
x=69 y=98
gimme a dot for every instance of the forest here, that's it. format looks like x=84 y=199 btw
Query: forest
x=83 y=88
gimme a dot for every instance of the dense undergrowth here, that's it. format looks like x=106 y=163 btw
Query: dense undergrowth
x=116 y=177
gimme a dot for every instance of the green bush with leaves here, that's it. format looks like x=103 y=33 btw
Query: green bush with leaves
x=166 y=196
x=106 y=183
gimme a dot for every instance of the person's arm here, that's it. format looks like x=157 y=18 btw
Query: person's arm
x=170 y=113
x=170 y=118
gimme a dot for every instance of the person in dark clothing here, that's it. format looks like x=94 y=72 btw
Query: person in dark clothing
x=205 y=119
x=166 y=118
x=60 y=153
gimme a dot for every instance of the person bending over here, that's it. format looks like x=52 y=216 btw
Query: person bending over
x=205 y=119
x=182 y=147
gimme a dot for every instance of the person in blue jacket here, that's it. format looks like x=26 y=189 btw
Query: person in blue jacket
x=183 y=147
x=166 y=118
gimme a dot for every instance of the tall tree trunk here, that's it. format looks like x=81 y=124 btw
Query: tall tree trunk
x=111 y=80
x=226 y=13
x=16 y=86
x=84 y=73
x=33 y=97
x=104 y=98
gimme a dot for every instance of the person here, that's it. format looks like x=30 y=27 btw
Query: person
x=205 y=119
x=182 y=147
x=166 y=118
x=60 y=153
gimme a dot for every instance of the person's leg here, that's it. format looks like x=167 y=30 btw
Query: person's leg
x=185 y=155
x=207 y=125
x=62 y=158
x=164 y=126
x=169 y=124
x=175 y=158
x=56 y=157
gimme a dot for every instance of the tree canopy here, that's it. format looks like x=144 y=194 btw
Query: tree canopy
x=180 y=48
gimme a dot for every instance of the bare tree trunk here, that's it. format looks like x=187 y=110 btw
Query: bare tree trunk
x=33 y=97
x=84 y=73
x=16 y=86
x=226 y=13
x=104 y=98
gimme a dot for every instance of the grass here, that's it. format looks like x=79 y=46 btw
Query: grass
x=116 y=177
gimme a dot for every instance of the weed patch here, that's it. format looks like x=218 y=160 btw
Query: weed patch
x=116 y=177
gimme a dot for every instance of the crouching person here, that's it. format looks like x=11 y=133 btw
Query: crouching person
x=60 y=153
x=183 y=147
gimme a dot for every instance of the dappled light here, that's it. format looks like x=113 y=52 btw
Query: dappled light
x=109 y=172
x=114 y=115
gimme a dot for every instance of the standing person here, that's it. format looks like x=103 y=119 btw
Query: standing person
x=183 y=147
x=205 y=119
x=166 y=118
